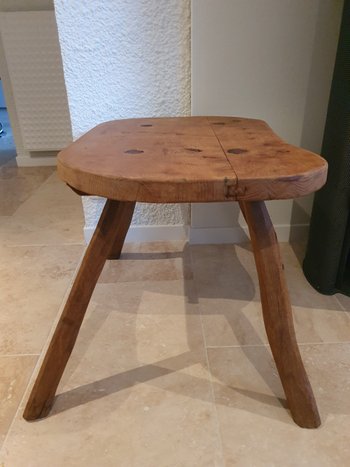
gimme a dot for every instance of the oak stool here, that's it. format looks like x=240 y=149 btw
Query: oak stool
x=186 y=160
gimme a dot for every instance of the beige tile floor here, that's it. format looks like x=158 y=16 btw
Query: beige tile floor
x=171 y=367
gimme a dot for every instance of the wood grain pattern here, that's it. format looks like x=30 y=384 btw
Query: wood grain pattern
x=125 y=213
x=189 y=159
x=193 y=159
x=102 y=244
x=266 y=167
x=278 y=318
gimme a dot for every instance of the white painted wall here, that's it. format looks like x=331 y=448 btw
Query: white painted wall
x=270 y=59
x=123 y=59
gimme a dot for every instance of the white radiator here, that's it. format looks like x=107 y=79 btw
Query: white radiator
x=34 y=65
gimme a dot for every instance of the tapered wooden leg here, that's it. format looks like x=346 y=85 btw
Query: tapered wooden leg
x=278 y=317
x=123 y=227
x=111 y=226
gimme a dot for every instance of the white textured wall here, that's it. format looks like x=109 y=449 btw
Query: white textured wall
x=268 y=59
x=123 y=59
x=35 y=69
x=12 y=6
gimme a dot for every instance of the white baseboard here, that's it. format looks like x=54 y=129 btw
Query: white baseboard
x=218 y=235
x=150 y=233
x=23 y=161
x=163 y=233
x=285 y=233
x=294 y=232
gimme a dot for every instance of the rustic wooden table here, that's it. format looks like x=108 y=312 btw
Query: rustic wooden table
x=181 y=160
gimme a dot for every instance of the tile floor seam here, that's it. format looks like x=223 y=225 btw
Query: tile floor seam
x=268 y=345
x=237 y=346
x=326 y=343
x=341 y=305
x=16 y=245
x=18 y=409
x=225 y=440
x=16 y=355
x=216 y=415
x=42 y=353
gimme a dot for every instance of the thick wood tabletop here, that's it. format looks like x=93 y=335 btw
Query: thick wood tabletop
x=189 y=159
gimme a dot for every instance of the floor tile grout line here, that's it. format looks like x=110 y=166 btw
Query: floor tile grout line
x=16 y=245
x=239 y=346
x=206 y=347
x=341 y=305
x=18 y=408
x=216 y=415
x=16 y=355
x=41 y=355
x=220 y=442
x=325 y=343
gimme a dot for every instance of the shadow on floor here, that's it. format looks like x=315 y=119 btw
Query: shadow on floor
x=162 y=373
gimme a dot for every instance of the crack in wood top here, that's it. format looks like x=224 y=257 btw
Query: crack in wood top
x=189 y=159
